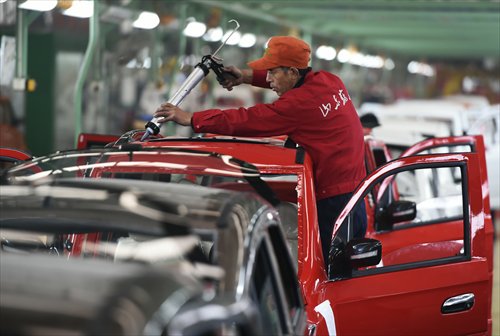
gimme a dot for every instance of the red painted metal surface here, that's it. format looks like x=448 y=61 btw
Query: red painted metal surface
x=391 y=303
x=15 y=154
x=88 y=140
x=401 y=300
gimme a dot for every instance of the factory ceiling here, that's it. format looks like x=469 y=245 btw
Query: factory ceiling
x=432 y=29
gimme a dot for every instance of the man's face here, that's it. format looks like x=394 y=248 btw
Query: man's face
x=282 y=79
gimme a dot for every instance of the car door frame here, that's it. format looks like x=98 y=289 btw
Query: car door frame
x=388 y=295
x=476 y=144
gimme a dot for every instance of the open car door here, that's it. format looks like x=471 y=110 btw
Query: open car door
x=435 y=192
x=456 y=144
x=420 y=281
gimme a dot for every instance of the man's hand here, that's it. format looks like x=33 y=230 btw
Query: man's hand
x=235 y=78
x=238 y=77
x=168 y=112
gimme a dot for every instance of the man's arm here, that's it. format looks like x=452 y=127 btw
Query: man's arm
x=245 y=76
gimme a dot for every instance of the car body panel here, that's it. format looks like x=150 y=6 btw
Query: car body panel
x=242 y=227
x=331 y=304
x=433 y=283
x=12 y=155
x=45 y=294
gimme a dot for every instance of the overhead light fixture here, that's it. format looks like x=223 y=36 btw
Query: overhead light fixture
x=389 y=64
x=344 y=55
x=80 y=9
x=374 y=61
x=247 y=40
x=326 y=52
x=420 y=68
x=213 y=34
x=39 y=5
x=357 y=58
x=195 y=29
x=147 y=20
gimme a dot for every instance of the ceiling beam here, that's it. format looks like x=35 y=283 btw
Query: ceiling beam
x=421 y=5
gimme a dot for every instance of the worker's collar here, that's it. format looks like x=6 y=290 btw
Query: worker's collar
x=302 y=77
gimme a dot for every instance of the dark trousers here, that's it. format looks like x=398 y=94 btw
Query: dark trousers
x=329 y=210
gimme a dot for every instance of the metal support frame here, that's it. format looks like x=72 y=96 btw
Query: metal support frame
x=23 y=20
x=82 y=74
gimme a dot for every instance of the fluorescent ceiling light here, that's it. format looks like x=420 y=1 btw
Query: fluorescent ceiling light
x=147 y=20
x=415 y=67
x=344 y=55
x=213 y=34
x=326 y=52
x=195 y=29
x=357 y=58
x=247 y=40
x=80 y=8
x=389 y=64
x=39 y=5
x=373 y=61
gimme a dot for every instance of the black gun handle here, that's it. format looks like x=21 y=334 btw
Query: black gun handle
x=223 y=75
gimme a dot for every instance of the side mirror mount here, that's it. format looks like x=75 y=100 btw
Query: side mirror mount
x=337 y=262
x=363 y=252
x=357 y=253
x=396 y=212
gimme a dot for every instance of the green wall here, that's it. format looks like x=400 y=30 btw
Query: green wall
x=39 y=117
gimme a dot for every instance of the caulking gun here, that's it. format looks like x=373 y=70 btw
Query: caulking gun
x=200 y=71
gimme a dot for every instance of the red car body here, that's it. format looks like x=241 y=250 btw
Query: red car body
x=13 y=155
x=434 y=278
x=406 y=300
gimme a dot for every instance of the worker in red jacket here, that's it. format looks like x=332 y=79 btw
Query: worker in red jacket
x=314 y=110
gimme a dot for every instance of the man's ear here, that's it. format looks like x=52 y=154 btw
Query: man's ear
x=295 y=71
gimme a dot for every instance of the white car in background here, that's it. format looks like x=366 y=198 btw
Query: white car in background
x=406 y=122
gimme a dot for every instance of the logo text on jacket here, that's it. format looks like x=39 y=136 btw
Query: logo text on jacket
x=342 y=99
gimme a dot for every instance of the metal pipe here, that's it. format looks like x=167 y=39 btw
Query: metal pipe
x=82 y=74
x=23 y=21
x=154 y=71
x=20 y=44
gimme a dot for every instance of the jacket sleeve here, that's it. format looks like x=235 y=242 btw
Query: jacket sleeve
x=259 y=120
x=259 y=79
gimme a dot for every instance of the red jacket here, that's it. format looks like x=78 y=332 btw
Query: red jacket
x=318 y=115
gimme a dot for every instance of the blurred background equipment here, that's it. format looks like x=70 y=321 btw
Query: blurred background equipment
x=10 y=134
x=118 y=49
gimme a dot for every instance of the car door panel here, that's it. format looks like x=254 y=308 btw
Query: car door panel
x=411 y=301
x=392 y=240
x=435 y=271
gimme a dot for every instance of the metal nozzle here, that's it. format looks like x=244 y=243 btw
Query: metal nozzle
x=146 y=135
